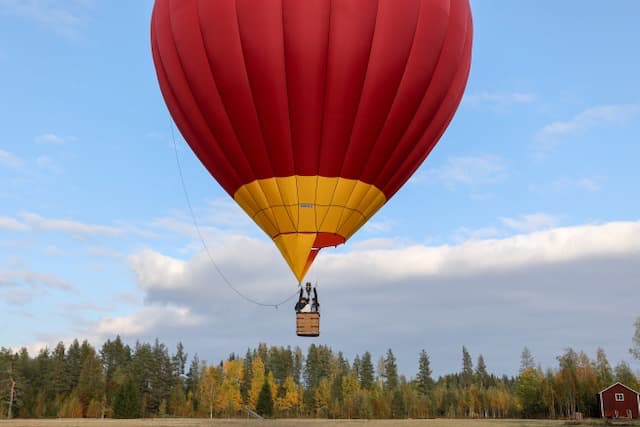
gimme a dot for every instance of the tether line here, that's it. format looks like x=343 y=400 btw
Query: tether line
x=204 y=243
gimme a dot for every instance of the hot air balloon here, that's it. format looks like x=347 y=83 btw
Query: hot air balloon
x=311 y=114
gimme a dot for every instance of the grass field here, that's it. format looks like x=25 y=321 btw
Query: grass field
x=189 y=422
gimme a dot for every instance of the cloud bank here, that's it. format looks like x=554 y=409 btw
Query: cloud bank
x=548 y=289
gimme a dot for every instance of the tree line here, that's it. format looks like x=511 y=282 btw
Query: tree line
x=147 y=380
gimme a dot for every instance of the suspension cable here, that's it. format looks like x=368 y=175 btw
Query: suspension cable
x=204 y=243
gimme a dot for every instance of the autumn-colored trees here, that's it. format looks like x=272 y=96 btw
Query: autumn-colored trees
x=146 y=380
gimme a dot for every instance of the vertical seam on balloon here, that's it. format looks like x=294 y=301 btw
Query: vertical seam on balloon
x=184 y=74
x=428 y=86
x=286 y=88
x=213 y=78
x=393 y=102
x=445 y=124
x=255 y=109
x=356 y=210
x=337 y=183
x=267 y=208
x=324 y=98
x=364 y=80
x=440 y=105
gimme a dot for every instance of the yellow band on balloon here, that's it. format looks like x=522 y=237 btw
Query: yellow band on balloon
x=293 y=210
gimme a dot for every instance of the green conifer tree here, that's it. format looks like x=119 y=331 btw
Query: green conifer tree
x=366 y=373
x=264 y=406
x=126 y=403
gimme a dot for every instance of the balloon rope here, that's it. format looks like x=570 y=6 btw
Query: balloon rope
x=204 y=243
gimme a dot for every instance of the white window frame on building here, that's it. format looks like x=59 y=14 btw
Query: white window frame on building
x=619 y=397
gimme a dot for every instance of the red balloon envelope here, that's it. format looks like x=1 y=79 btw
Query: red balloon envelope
x=311 y=114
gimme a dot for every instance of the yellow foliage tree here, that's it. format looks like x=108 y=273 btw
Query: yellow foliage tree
x=71 y=407
x=94 y=410
x=289 y=399
x=322 y=397
x=209 y=389
x=40 y=406
x=350 y=389
x=257 y=380
x=231 y=398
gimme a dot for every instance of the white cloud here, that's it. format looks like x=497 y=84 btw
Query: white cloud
x=7 y=223
x=38 y=222
x=376 y=243
x=498 y=99
x=532 y=289
x=379 y=226
x=226 y=212
x=19 y=297
x=472 y=257
x=463 y=234
x=468 y=170
x=181 y=227
x=219 y=214
x=9 y=160
x=530 y=223
x=18 y=278
x=149 y=318
x=156 y=270
x=546 y=289
x=589 y=184
x=65 y=19
x=51 y=138
x=549 y=135
x=191 y=282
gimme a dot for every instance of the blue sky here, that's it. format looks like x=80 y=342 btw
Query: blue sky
x=521 y=228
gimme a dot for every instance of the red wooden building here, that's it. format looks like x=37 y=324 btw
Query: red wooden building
x=619 y=401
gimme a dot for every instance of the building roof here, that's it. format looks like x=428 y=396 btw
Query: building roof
x=619 y=383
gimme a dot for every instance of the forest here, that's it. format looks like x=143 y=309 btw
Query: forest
x=149 y=380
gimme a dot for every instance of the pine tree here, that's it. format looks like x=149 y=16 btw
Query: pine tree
x=126 y=403
x=74 y=364
x=193 y=375
x=466 y=377
x=398 y=408
x=482 y=376
x=179 y=361
x=390 y=372
x=423 y=379
x=247 y=374
x=264 y=406
x=367 y=374
x=59 y=374
x=91 y=381
x=115 y=356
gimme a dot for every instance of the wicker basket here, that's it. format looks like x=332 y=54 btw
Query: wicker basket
x=308 y=324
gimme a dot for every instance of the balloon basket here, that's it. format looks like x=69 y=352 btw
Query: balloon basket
x=308 y=324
